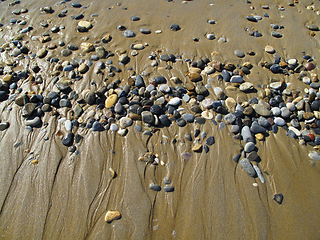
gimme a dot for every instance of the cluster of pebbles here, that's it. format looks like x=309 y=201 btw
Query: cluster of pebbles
x=159 y=102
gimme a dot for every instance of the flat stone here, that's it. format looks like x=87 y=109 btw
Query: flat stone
x=278 y=198
x=210 y=140
x=139 y=82
x=145 y=30
x=112 y=215
x=276 y=34
x=168 y=188
x=314 y=155
x=83 y=68
x=197 y=147
x=27 y=110
x=155 y=187
x=87 y=47
x=285 y=112
x=246 y=86
x=181 y=122
x=259 y=173
x=236 y=79
x=68 y=125
x=174 y=101
x=247 y=166
x=84 y=26
x=253 y=156
x=114 y=127
x=188 y=117
x=313 y=27
x=261 y=110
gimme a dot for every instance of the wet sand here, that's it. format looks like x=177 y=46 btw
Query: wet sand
x=66 y=196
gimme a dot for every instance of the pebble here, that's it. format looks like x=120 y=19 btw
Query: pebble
x=33 y=121
x=186 y=155
x=181 y=122
x=246 y=134
x=84 y=26
x=239 y=53
x=129 y=34
x=269 y=49
x=314 y=155
x=174 y=101
x=68 y=125
x=278 y=198
x=250 y=146
x=276 y=34
x=210 y=140
x=68 y=139
x=4 y=126
x=175 y=27
x=259 y=173
x=114 y=127
x=145 y=31
x=188 y=117
x=112 y=215
x=279 y=121
x=247 y=166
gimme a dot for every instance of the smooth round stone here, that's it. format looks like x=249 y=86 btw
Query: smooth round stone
x=129 y=34
x=201 y=90
x=247 y=166
x=3 y=95
x=276 y=111
x=188 y=117
x=279 y=121
x=42 y=53
x=174 y=101
x=285 y=112
x=246 y=134
x=84 y=25
x=148 y=117
x=165 y=58
x=292 y=61
x=315 y=105
x=114 y=127
x=263 y=122
x=4 y=126
x=250 y=146
x=145 y=31
x=118 y=108
x=225 y=75
x=234 y=129
x=160 y=80
x=66 y=52
x=181 y=122
x=111 y=100
x=207 y=103
x=218 y=91
x=168 y=188
x=33 y=121
x=68 y=125
x=210 y=36
x=315 y=85
x=76 y=5
x=155 y=187
x=310 y=66
x=269 y=49
x=28 y=109
x=306 y=80
x=239 y=53
x=314 y=155
x=175 y=27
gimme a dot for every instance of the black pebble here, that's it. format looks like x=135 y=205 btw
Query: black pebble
x=278 y=198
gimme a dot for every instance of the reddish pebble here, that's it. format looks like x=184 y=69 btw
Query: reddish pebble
x=309 y=66
x=311 y=136
x=270 y=120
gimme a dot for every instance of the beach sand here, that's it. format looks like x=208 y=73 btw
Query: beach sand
x=66 y=196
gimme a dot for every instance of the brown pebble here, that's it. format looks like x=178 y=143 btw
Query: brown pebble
x=308 y=115
x=196 y=147
x=309 y=66
x=112 y=215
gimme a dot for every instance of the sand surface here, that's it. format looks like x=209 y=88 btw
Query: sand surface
x=66 y=196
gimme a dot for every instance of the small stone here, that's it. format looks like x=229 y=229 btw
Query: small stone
x=210 y=140
x=111 y=100
x=168 y=188
x=239 y=53
x=279 y=121
x=250 y=146
x=42 y=53
x=84 y=26
x=129 y=34
x=7 y=78
x=174 y=101
x=148 y=117
x=261 y=110
x=314 y=155
x=68 y=139
x=87 y=47
x=145 y=31
x=155 y=187
x=83 y=68
x=112 y=215
x=114 y=127
x=278 y=198
x=125 y=122
x=276 y=34
x=4 y=126
x=33 y=121
x=253 y=156
x=175 y=27
x=269 y=49
x=313 y=27
x=247 y=166
x=181 y=122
